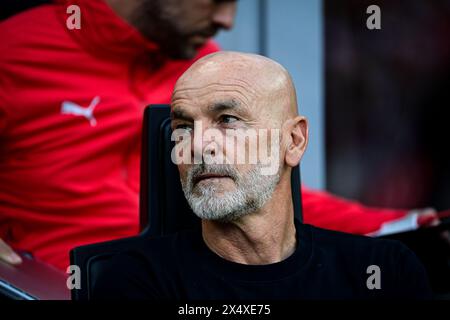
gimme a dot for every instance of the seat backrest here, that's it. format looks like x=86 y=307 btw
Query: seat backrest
x=92 y=258
x=163 y=207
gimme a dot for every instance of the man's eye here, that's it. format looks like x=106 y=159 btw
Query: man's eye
x=228 y=119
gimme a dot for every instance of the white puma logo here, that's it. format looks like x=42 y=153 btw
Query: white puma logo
x=68 y=107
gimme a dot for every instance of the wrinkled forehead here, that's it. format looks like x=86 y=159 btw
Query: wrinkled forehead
x=204 y=91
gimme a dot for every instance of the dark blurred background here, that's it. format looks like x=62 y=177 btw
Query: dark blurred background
x=11 y=7
x=386 y=97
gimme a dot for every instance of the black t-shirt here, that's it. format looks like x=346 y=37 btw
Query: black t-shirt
x=325 y=265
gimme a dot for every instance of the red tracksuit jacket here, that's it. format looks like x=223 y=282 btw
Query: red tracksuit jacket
x=71 y=105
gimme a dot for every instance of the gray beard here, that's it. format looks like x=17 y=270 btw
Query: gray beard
x=252 y=192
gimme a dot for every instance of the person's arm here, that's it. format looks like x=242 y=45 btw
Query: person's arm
x=327 y=211
x=7 y=254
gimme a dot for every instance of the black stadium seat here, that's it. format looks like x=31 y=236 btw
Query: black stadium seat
x=163 y=208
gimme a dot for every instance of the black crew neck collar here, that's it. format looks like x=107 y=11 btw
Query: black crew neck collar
x=266 y=273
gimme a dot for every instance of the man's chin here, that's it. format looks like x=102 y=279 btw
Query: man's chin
x=211 y=190
x=210 y=193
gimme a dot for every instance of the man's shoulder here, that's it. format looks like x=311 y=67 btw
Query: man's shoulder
x=147 y=270
x=160 y=250
x=345 y=243
x=358 y=257
x=27 y=31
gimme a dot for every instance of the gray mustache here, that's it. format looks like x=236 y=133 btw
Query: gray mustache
x=220 y=169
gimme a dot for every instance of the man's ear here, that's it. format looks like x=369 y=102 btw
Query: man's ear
x=296 y=131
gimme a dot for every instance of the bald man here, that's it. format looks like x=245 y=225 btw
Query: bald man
x=249 y=245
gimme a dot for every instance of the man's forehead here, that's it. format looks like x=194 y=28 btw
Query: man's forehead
x=209 y=92
x=212 y=70
x=217 y=81
x=217 y=105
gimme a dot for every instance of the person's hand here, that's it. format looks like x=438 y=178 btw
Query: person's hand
x=8 y=255
x=428 y=217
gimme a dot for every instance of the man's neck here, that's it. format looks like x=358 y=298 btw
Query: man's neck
x=263 y=237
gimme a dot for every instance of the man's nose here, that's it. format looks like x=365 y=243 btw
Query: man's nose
x=224 y=14
x=205 y=142
x=198 y=146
